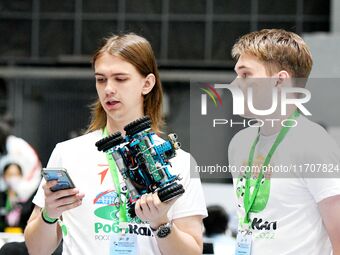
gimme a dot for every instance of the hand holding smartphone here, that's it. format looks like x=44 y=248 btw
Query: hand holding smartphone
x=59 y=174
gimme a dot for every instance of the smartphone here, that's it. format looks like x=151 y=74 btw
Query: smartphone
x=59 y=174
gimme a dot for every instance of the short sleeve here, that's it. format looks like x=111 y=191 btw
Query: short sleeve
x=325 y=183
x=192 y=202
x=54 y=161
x=322 y=188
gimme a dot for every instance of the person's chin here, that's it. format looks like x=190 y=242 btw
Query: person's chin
x=115 y=114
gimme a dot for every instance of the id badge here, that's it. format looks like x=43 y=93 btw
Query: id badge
x=243 y=242
x=123 y=244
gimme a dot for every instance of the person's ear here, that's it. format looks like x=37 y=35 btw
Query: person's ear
x=282 y=77
x=150 y=81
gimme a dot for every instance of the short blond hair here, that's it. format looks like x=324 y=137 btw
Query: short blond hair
x=278 y=49
x=137 y=51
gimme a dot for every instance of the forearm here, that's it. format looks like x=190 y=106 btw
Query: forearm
x=329 y=210
x=336 y=249
x=334 y=234
x=179 y=243
x=40 y=237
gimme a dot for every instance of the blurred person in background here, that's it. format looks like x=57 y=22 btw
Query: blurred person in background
x=14 y=211
x=15 y=149
x=216 y=231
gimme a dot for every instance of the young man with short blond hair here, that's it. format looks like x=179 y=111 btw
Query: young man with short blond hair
x=282 y=213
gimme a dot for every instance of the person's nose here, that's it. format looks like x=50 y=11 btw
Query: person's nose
x=110 y=87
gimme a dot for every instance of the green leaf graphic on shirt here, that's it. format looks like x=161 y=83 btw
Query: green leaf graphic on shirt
x=108 y=212
x=262 y=197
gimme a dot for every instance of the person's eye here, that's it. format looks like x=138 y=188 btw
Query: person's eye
x=242 y=75
x=121 y=79
x=100 y=79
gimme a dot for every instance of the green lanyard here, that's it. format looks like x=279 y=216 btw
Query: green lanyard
x=114 y=173
x=8 y=204
x=249 y=201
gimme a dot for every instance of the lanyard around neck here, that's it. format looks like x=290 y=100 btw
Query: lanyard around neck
x=114 y=174
x=249 y=201
x=8 y=204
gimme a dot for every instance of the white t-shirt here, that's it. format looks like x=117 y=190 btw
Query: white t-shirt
x=223 y=244
x=91 y=224
x=287 y=220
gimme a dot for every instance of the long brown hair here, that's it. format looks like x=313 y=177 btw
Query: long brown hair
x=137 y=51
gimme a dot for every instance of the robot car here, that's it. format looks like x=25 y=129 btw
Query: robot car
x=143 y=163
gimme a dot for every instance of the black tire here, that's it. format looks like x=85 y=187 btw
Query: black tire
x=171 y=191
x=138 y=125
x=110 y=141
x=166 y=193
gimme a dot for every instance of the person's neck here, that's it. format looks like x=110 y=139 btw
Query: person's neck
x=11 y=193
x=273 y=127
x=114 y=126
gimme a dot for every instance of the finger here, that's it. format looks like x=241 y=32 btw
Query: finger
x=152 y=210
x=66 y=201
x=65 y=193
x=69 y=206
x=80 y=195
x=48 y=185
x=141 y=200
x=51 y=198
x=143 y=204
x=138 y=210
x=158 y=203
x=56 y=207
x=150 y=200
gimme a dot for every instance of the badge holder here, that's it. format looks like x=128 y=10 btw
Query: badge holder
x=243 y=242
x=123 y=243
